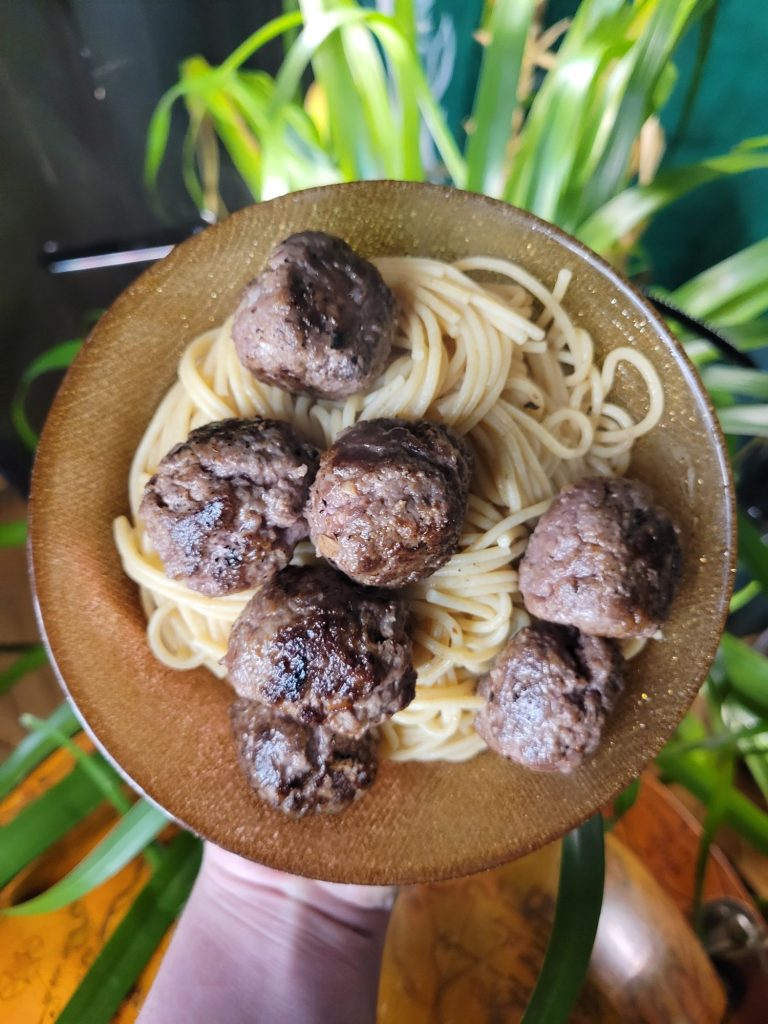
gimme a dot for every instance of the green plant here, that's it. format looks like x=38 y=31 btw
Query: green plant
x=580 y=146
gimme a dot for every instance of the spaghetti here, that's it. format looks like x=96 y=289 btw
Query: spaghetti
x=535 y=407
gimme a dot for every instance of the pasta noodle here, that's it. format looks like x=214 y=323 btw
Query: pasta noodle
x=536 y=409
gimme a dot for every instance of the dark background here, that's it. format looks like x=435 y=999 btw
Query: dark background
x=79 y=80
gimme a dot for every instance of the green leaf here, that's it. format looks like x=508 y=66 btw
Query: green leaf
x=743 y=721
x=722 y=741
x=320 y=42
x=57 y=358
x=285 y=23
x=753 y=551
x=404 y=16
x=321 y=30
x=626 y=211
x=577 y=913
x=160 y=123
x=189 y=166
x=742 y=597
x=44 y=821
x=13 y=535
x=157 y=134
x=716 y=810
x=747 y=337
x=745 y=420
x=544 y=158
x=35 y=748
x=706 y=33
x=128 y=950
x=289 y=36
x=747 y=671
x=496 y=95
x=126 y=840
x=695 y=771
x=28 y=662
x=642 y=67
x=736 y=380
x=624 y=802
x=730 y=291
x=101 y=774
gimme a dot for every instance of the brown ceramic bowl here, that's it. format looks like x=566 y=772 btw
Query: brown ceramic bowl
x=168 y=732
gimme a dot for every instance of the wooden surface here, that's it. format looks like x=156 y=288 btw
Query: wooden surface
x=471 y=949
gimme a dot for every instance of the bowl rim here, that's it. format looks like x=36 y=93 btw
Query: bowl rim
x=694 y=385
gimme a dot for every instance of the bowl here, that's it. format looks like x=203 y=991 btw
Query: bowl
x=168 y=732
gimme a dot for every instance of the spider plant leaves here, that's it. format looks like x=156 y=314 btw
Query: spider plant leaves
x=612 y=72
x=13 y=534
x=158 y=133
x=747 y=337
x=747 y=672
x=496 y=98
x=44 y=821
x=546 y=149
x=740 y=719
x=128 y=950
x=214 y=96
x=198 y=77
x=284 y=24
x=35 y=747
x=706 y=29
x=753 y=551
x=356 y=147
x=577 y=913
x=696 y=771
x=743 y=596
x=125 y=841
x=101 y=774
x=634 y=81
x=366 y=71
x=632 y=207
x=404 y=16
x=59 y=357
x=744 y=420
x=34 y=658
x=350 y=112
x=736 y=380
x=716 y=810
x=734 y=291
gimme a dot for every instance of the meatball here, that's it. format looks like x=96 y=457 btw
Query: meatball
x=318 y=320
x=548 y=695
x=225 y=508
x=317 y=647
x=388 y=503
x=603 y=558
x=300 y=769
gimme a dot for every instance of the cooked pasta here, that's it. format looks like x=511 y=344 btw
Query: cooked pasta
x=537 y=410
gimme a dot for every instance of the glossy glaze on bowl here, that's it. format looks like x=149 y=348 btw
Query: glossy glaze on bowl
x=169 y=731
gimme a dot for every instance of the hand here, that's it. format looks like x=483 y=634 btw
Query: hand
x=255 y=945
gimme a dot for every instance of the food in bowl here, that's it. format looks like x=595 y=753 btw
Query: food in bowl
x=482 y=355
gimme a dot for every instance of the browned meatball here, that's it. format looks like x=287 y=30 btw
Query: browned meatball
x=604 y=558
x=317 y=647
x=388 y=503
x=319 y=319
x=548 y=695
x=300 y=769
x=225 y=508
